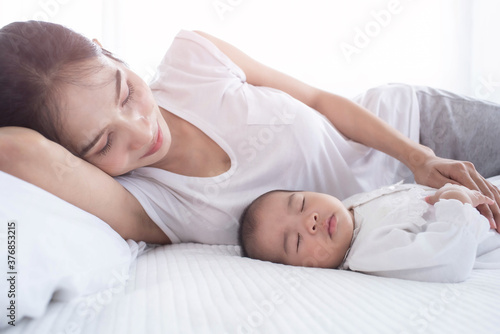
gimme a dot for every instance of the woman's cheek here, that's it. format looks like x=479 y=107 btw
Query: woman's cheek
x=115 y=165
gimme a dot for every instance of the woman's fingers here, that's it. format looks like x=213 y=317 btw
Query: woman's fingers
x=464 y=173
x=495 y=208
x=490 y=209
x=486 y=211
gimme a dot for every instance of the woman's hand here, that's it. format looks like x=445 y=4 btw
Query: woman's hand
x=436 y=172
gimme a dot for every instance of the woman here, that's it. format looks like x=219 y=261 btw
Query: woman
x=217 y=127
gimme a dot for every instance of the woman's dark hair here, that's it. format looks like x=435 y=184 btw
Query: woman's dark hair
x=34 y=63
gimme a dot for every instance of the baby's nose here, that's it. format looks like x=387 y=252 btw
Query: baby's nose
x=312 y=222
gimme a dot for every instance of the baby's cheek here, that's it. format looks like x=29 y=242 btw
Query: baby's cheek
x=318 y=255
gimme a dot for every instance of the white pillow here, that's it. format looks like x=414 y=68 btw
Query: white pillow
x=61 y=251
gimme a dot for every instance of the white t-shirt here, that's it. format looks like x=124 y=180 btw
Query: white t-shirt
x=273 y=140
x=397 y=234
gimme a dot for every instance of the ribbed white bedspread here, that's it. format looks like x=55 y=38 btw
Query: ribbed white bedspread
x=193 y=288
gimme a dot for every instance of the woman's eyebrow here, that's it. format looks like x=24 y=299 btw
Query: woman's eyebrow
x=118 y=86
x=290 y=202
x=87 y=148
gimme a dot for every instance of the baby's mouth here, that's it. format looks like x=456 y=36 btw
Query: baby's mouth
x=331 y=225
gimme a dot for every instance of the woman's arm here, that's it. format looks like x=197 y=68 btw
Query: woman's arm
x=26 y=154
x=360 y=125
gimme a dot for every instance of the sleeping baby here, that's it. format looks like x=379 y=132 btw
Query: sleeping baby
x=403 y=231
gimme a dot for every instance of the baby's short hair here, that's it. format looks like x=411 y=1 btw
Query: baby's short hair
x=248 y=223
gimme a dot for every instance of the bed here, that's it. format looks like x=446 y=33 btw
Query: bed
x=104 y=284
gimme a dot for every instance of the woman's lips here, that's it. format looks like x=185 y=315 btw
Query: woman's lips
x=156 y=144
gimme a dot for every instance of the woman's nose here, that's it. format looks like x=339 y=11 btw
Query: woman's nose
x=140 y=131
x=311 y=222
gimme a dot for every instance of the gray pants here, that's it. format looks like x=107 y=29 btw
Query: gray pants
x=461 y=128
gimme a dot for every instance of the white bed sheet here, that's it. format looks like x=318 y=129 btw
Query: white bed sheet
x=193 y=288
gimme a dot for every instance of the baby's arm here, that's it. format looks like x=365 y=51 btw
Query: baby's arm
x=441 y=248
x=460 y=193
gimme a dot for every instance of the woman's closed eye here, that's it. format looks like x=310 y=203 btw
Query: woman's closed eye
x=130 y=94
x=298 y=241
x=106 y=147
x=303 y=204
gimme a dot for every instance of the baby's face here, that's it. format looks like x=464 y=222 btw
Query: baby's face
x=302 y=229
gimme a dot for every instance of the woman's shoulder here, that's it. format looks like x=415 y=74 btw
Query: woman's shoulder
x=192 y=51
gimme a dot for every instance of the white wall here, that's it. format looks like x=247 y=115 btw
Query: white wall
x=341 y=46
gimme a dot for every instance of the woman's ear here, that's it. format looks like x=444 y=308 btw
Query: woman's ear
x=97 y=42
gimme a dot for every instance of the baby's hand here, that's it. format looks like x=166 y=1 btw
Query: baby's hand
x=461 y=193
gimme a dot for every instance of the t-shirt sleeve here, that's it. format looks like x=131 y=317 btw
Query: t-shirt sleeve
x=160 y=205
x=443 y=250
x=182 y=215
x=195 y=77
x=194 y=59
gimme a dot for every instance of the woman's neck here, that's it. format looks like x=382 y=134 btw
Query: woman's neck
x=192 y=152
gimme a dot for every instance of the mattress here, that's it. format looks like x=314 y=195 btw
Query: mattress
x=194 y=288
